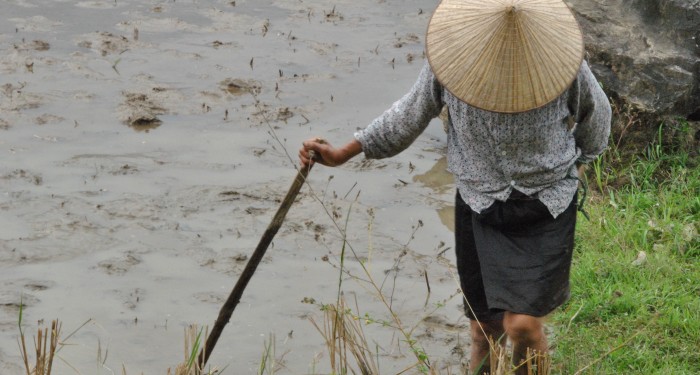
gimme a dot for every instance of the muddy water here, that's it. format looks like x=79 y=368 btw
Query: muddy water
x=145 y=149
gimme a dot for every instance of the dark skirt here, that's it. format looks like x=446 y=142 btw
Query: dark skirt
x=514 y=256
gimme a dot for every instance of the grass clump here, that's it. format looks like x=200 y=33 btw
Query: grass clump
x=45 y=345
x=195 y=339
x=635 y=305
x=345 y=340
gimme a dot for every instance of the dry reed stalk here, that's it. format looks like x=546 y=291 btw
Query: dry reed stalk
x=23 y=349
x=45 y=346
x=38 y=368
x=55 y=331
x=193 y=344
x=538 y=363
x=345 y=338
x=330 y=335
x=500 y=361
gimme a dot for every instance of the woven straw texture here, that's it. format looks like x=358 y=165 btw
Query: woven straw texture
x=504 y=55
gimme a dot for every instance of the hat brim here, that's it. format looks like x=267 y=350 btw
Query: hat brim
x=501 y=57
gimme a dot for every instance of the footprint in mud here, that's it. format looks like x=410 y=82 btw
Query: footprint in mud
x=322 y=49
x=96 y=4
x=235 y=86
x=407 y=39
x=440 y=323
x=255 y=211
x=130 y=299
x=21 y=174
x=34 y=45
x=259 y=195
x=48 y=119
x=119 y=266
x=140 y=112
x=333 y=16
x=105 y=43
x=17 y=99
x=37 y=285
x=36 y=24
x=219 y=44
x=230 y=265
x=4 y=125
x=124 y=170
x=206 y=297
x=369 y=164
x=265 y=113
x=11 y=302
x=319 y=230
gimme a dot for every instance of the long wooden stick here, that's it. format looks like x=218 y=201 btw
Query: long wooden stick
x=235 y=296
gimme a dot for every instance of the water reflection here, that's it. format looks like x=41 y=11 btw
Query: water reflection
x=442 y=181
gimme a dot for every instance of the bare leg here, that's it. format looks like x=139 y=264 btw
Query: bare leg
x=481 y=332
x=525 y=332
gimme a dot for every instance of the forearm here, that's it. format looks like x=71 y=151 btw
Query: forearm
x=350 y=150
x=319 y=150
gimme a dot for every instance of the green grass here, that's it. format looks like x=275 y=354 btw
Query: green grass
x=628 y=315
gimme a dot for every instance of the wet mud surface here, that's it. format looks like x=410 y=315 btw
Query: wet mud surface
x=146 y=146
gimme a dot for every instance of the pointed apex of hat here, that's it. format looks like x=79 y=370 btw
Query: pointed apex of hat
x=504 y=56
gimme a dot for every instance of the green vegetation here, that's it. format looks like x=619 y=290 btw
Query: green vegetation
x=635 y=306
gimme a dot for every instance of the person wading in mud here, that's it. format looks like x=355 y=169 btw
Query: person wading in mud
x=524 y=112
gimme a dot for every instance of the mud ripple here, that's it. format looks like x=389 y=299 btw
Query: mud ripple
x=123 y=170
x=119 y=266
x=158 y=25
x=206 y=297
x=105 y=43
x=34 y=45
x=21 y=174
x=11 y=301
x=130 y=299
x=322 y=49
x=226 y=21
x=17 y=99
x=48 y=119
x=406 y=39
x=96 y=4
x=36 y=24
x=370 y=164
x=230 y=265
x=236 y=86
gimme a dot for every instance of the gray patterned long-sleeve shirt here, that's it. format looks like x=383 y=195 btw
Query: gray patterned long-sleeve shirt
x=490 y=153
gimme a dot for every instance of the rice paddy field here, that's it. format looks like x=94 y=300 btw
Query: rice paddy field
x=147 y=144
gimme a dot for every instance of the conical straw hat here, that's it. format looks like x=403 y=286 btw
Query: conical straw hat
x=504 y=55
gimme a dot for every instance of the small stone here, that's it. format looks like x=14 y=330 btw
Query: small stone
x=641 y=259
